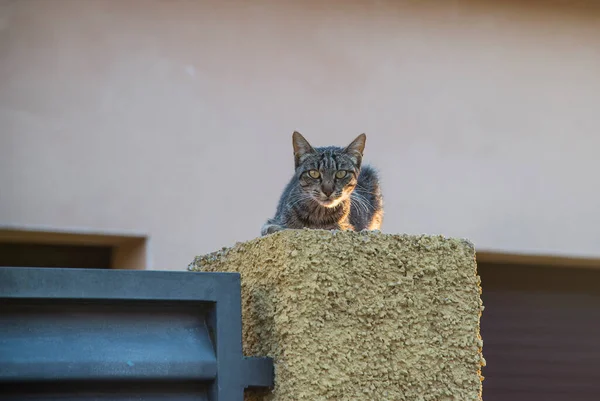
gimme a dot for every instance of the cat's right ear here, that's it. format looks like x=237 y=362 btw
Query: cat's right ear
x=301 y=148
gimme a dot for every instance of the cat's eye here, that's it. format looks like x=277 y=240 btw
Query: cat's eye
x=314 y=174
x=341 y=174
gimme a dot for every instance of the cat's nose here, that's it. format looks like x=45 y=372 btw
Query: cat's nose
x=327 y=191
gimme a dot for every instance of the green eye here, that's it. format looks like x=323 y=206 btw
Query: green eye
x=314 y=174
x=341 y=174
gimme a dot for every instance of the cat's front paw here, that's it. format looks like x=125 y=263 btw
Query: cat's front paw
x=270 y=229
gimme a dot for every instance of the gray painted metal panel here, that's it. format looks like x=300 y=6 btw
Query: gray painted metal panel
x=107 y=334
x=63 y=341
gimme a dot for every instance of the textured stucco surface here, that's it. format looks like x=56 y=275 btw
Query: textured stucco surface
x=360 y=316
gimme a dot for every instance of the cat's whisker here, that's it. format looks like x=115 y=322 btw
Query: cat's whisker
x=363 y=203
x=365 y=190
x=358 y=204
x=298 y=198
x=365 y=199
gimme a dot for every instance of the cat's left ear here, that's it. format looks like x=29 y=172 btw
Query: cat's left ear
x=356 y=148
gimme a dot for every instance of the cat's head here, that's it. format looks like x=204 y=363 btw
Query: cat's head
x=329 y=174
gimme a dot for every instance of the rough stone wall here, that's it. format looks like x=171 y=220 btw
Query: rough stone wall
x=360 y=316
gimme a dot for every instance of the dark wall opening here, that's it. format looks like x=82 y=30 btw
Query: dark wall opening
x=541 y=332
x=55 y=255
x=22 y=247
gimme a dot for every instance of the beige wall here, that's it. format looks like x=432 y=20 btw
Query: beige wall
x=174 y=118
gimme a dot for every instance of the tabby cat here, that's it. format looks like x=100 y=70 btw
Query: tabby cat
x=329 y=190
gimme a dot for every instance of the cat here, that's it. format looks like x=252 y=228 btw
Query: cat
x=330 y=190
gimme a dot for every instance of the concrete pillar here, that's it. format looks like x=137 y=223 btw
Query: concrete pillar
x=360 y=316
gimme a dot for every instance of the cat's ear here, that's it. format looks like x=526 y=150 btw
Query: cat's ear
x=357 y=147
x=301 y=147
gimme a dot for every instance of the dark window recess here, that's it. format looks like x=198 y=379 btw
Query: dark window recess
x=123 y=335
x=50 y=255
x=541 y=331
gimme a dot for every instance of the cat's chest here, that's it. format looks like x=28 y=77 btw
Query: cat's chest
x=321 y=225
x=326 y=219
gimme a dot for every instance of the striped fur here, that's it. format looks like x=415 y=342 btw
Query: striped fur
x=353 y=202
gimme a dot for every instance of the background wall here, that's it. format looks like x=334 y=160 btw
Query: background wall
x=174 y=118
